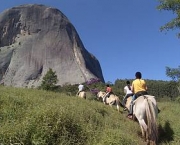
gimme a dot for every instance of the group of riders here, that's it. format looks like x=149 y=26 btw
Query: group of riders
x=136 y=89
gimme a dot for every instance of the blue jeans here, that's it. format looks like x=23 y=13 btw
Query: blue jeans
x=131 y=105
x=133 y=98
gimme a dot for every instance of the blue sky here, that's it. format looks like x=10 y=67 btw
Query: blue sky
x=123 y=35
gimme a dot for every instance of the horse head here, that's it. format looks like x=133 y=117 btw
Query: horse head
x=100 y=95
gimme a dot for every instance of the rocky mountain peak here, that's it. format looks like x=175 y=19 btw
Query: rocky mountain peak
x=34 y=38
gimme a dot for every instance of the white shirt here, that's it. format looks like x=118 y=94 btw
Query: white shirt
x=80 y=87
x=126 y=90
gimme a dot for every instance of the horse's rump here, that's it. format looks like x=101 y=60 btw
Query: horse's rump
x=113 y=97
x=145 y=110
x=82 y=94
x=149 y=97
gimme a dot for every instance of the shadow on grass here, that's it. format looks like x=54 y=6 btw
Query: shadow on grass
x=166 y=134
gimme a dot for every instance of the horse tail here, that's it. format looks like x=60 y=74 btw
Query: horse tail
x=118 y=103
x=84 y=95
x=151 y=121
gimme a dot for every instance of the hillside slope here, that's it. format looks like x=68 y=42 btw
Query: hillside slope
x=30 y=116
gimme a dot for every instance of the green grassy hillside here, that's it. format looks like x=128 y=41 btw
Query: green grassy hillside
x=35 y=117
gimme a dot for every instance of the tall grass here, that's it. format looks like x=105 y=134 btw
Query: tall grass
x=169 y=124
x=35 y=117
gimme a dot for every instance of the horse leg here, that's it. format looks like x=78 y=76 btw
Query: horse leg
x=142 y=131
x=143 y=127
x=118 y=108
x=118 y=103
x=111 y=104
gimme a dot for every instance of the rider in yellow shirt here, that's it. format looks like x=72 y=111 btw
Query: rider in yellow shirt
x=139 y=88
x=139 y=85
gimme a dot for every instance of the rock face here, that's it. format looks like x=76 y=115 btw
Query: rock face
x=34 y=38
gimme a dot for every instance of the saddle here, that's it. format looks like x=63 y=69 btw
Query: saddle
x=145 y=96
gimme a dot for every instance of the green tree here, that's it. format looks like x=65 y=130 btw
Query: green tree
x=174 y=74
x=49 y=81
x=174 y=6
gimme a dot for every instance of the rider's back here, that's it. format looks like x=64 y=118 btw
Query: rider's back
x=139 y=85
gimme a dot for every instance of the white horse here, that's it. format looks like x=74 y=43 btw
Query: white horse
x=145 y=110
x=82 y=94
x=128 y=103
x=111 y=100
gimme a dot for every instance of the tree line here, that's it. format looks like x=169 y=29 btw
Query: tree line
x=160 y=89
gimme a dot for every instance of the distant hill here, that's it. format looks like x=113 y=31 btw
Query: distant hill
x=34 y=38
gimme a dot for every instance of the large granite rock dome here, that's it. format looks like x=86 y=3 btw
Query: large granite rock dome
x=34 y=38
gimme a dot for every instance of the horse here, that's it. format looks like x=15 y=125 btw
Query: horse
x=145 y=110
x=128 y=103
x=82 y=94
x=112 y=100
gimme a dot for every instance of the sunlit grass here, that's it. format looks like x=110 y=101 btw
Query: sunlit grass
x=169 y=124
x=29 y=116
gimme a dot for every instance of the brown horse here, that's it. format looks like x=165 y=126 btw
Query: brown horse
x=82 y=94
x=145 y=110
x=111 y=100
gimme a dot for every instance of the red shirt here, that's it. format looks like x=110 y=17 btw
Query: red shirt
x=109 y=89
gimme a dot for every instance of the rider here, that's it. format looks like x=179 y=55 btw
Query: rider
x=139 y=88
x=128 y=91
x=80 y=88
x=108 y=92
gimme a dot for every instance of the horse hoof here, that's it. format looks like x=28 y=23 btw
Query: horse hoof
x=130 y=117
